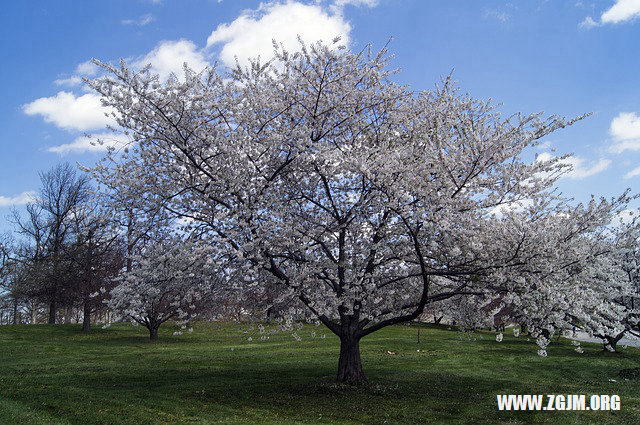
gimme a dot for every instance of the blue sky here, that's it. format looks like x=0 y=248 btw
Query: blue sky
x=561 y=57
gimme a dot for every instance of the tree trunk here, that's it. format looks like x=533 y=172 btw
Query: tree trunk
x=350 y=364
x=52 y=312
x=613 y=341
x=34 y=312
x=153 y=333
x=67 y=314
x=15 y=310
x=269 y=314
x=86 y=318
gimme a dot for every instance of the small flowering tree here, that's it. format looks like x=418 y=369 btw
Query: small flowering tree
x=365 y=200
x=167 y=282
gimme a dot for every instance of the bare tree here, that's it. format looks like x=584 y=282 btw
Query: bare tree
x=97 y=257
x=47 y=229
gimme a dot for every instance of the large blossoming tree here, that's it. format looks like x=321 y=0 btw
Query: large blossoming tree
x=366 y=200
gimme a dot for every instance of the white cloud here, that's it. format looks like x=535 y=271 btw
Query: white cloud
x=140 y=22
x=21 y=199
x=621 y=11
x=544 y=145
x=339 y=5
x=515 y=206
x=69 y=82
x=625 y=131
x=633 y=173
x=588 y=23
x=71 y=112
x=357 y=3
x=87 y=69
x=580 y=169
x=84 y=69
x=248 y=36
x=91 y=143
x=583 y=170
x=86 y=113
x=623 y=217
x=544 y=156
x=251 y=34
x=169 y=56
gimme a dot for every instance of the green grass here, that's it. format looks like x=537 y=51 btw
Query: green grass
x=56 y=374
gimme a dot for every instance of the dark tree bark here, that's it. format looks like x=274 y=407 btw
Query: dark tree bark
x=349 y=362
x=269 y=314
x=613 y=341
x=68 y=311
x=86 y=317
x=153 y=333
x=152 y=324
x=15 y=310
x=350 y=329
x=52 y=312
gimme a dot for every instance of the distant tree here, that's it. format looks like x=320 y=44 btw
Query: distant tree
x=629 y=262
x=30 y=253
x=10 y=288
x=365 y=200
x=620 y=282
x=97 y=256
x=470 y=313
x=569 y=278
x=47 y=230
x=6 y=244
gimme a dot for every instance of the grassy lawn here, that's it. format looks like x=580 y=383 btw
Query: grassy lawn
x=55 y=374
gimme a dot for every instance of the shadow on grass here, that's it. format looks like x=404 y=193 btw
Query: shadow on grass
x=292 y=391
x=296 y=392
x=116 y=376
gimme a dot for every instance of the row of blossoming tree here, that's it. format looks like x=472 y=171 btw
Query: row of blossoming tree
x=355 y=197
